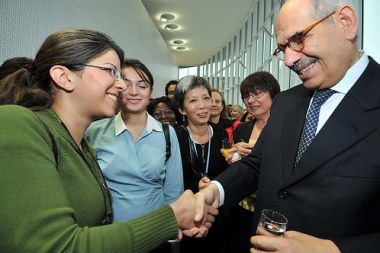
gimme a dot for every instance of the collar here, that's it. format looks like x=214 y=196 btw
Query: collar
x=151 y=124
x=352 y=75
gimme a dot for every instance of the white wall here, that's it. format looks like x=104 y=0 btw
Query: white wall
x=371 y=21
x=25 y=24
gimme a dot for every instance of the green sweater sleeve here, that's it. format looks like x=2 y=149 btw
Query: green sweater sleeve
x=37 y=213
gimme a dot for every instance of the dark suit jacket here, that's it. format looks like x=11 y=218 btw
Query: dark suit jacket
x=334 y=192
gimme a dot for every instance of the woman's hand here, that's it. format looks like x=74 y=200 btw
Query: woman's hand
x=243 y=148
x=203 y=182
x=231 y=156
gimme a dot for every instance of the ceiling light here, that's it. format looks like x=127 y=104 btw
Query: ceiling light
x=171 y=27
x=181 y=48
x=166 y=17
x=177 y=42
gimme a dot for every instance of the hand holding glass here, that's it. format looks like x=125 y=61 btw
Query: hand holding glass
x=226 y=145
x=273 y=222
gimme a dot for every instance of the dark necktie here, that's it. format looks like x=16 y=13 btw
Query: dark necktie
x=311 y=122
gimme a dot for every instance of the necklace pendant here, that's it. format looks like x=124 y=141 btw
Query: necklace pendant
x=203 y=153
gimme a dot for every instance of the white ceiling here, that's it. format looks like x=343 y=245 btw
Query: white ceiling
x=205 y=25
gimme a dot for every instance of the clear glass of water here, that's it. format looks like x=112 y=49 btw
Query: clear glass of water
x=273 y=222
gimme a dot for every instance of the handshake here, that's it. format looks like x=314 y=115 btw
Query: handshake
x=195 y=213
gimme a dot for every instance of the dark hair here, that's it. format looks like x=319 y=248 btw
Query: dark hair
x=188 y=83
x=261 y=80
x=171 y=82
x=154 y=102
x=11 y=65
x=141 y=70
x=33 y=86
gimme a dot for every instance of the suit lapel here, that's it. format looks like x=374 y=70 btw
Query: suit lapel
x=292 y=129
x=348 y=124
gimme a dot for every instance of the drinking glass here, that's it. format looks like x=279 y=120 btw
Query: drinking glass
x=273 y=222
x=226 y=145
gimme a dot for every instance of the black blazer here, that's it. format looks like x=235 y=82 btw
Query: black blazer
x=334 y=192
x=217 y=162
x=243 y=131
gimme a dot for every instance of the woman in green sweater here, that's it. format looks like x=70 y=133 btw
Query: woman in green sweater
x=53 y=196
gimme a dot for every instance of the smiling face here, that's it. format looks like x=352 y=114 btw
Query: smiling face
x=217 y=104
x=137 y=95
x=259 y=107
x=96 y=89
x=236 y=113
x=197 y=106
x=328 y=48
x=164 y=114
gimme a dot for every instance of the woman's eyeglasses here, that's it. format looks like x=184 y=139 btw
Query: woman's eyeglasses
x=114 y=73
x=254 y=95
x=161 y=113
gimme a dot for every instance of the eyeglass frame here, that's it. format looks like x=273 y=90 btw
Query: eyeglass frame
x=112 y=71
x=299 y=36
x=165 y=112
x=248 y=95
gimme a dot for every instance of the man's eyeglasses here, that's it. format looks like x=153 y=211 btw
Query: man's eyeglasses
x=161 y=113
x=296 y=42
x=254 y=95
x=114 y=73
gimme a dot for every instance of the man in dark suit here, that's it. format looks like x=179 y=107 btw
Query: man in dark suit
x=330 y=192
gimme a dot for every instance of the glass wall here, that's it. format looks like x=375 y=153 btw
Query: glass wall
x=249 y=51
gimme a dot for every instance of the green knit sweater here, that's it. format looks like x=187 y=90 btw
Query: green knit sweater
x=50 y=208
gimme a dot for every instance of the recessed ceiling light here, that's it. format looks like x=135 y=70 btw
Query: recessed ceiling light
x=166 y=17
x=181 y=48
x=171 y=27
x=177 y=42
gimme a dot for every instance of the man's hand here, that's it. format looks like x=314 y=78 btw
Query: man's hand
x=184 y=211
x=206 y=202
x=292 y=242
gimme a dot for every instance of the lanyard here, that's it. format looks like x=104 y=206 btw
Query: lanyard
x=209 y=145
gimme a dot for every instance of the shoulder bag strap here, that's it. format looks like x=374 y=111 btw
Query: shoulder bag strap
x=165 y=127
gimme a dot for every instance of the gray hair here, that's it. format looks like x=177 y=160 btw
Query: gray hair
x=325 y=7
x=186 y=84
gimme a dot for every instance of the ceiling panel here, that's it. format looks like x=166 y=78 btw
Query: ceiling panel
x=204 y=25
